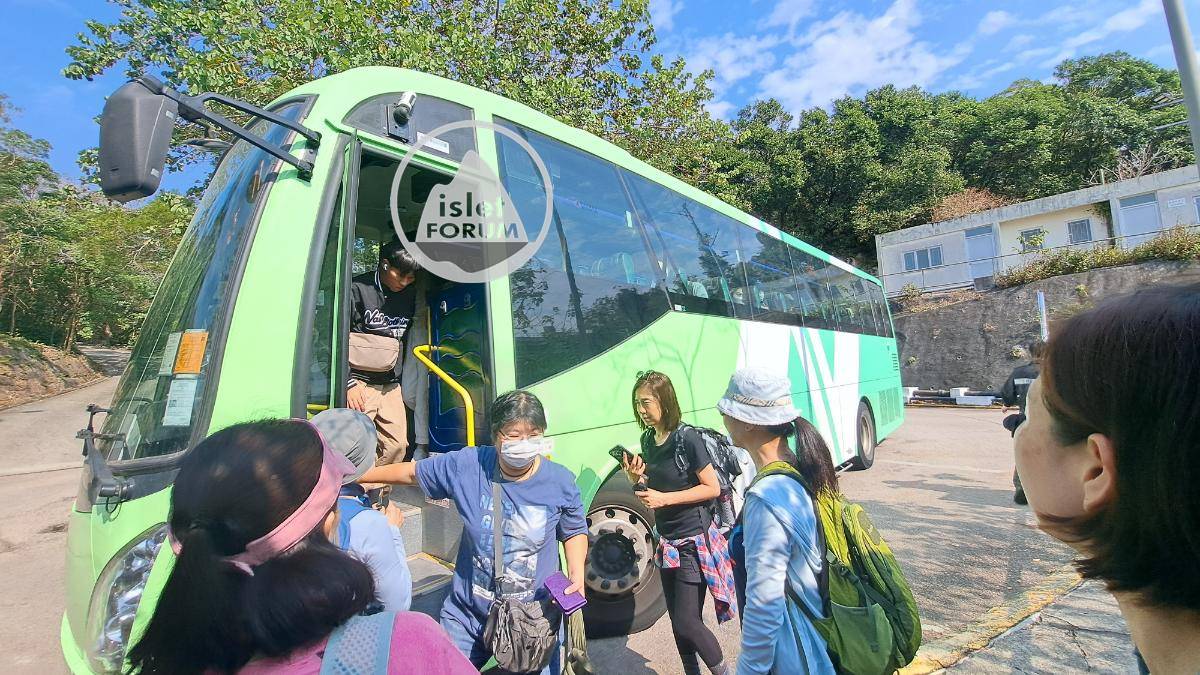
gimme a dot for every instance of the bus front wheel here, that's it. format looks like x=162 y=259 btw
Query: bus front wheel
x=624 y=591
x=865 y=443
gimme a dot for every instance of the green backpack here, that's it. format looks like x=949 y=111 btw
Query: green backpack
x=873 y=626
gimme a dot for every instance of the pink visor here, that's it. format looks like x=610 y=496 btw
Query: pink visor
x=334 y=469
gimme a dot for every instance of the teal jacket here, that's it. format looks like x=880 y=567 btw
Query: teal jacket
x=779 y=530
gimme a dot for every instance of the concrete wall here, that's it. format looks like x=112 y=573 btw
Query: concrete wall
x=1184 y=214
x=970 y=344
x=1054 y=224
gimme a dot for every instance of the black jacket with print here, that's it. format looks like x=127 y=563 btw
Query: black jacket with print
x=378 y=311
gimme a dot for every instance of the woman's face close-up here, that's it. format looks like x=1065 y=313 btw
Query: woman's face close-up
x=518 y=430
x=1052 y=475
x=648 y=407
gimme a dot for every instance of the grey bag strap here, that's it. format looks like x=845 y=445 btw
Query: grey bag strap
x=497 y=530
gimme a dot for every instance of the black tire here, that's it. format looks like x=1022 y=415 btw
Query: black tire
x=632 y=598
x=864 y=432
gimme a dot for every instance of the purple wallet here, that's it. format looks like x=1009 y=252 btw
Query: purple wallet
x=556 y=584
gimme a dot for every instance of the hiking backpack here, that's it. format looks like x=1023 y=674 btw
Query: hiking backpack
x=734 y=470
x=872 y=625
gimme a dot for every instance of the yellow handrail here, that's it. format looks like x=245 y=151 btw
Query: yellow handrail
x=422 y=353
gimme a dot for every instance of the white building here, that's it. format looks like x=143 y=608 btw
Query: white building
x=971 y=250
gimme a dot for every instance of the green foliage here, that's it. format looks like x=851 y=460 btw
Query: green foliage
x=885 y=161
x=835 y=177
x=71 y=264
x=585 y=62
x=1179 y=243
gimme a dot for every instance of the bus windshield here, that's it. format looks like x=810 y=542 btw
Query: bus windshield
x=162 y=395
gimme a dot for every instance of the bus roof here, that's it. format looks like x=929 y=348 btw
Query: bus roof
x=338 y=94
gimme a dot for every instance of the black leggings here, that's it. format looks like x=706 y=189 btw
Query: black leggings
x=685 y=600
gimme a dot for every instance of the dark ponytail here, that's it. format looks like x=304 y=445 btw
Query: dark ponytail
x=232 y=488
x=813 y=460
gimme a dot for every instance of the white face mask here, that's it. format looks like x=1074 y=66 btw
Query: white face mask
x=520 y=454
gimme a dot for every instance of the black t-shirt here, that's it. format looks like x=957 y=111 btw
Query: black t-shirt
x=379 y=311
x=663 y=474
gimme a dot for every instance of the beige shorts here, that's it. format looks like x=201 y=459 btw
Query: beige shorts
x=384 y=404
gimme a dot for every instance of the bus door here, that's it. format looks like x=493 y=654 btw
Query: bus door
x=458 y=335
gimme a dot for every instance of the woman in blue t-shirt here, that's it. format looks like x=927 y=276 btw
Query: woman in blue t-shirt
x=542 y=507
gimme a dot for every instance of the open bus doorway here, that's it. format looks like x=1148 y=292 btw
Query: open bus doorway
x=450 y=317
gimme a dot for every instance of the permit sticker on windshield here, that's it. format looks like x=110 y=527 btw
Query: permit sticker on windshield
x=180 y=400
x=191 y=352
x=167 y=365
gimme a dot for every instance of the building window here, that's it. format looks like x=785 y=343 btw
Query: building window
x=1080 y=230
x=923 y=258
x=1196 y=203
x=1032 y=240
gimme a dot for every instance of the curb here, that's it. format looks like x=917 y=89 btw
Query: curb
x=945 y=652
x=68 y=390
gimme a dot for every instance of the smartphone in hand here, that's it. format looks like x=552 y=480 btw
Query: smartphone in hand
x=622 y=455
x=557 y=584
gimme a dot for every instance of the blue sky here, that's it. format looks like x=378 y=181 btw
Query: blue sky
x=804 y=52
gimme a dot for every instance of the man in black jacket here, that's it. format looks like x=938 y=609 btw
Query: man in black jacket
x=383 y=303
x=1014 y=392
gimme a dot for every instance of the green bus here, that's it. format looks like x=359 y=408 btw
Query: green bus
x=641 y=271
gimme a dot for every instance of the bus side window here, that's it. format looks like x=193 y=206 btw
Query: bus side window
x=592 y=285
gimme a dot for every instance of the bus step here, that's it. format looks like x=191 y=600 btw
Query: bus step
x=438 y=529
x=431 y=583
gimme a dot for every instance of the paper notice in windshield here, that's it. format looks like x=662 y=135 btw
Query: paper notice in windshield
x=191 y=352
x=167 y=365
x=180 y=400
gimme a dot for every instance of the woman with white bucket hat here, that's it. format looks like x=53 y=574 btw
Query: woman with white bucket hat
x=776 y=546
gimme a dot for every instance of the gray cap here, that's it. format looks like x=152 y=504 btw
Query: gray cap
x=349 y=433
x=759 y=396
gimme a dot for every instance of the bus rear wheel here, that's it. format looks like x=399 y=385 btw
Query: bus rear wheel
x=623 y=588
x=865 y=443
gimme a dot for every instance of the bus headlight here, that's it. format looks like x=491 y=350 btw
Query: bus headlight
x=115 y=600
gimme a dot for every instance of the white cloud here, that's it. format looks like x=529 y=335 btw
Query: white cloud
x=1124 y=21
x=733 y=58
x=851 y=52
x=721 y=109
x=787 y=13
x=1019 y=41
x=662 y=13
x=1121 y=22
x=995 y=21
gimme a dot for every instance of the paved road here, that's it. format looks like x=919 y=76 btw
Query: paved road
x=940 y=492
x=33 y=518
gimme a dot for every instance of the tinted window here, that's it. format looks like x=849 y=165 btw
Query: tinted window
x=770 y=286
x=697 y=249
x=879 y=307
x=591 y=284
x=163 y=390
x=818 y=297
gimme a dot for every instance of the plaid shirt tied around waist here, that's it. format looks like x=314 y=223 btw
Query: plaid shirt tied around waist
x=713 y=551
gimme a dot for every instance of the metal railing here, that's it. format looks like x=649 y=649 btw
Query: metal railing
x=1024 y=257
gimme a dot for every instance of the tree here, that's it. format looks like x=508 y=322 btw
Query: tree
x=71 y=263
x=585 y=62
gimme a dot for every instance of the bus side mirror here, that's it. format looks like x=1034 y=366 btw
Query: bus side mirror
x=135 y=134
